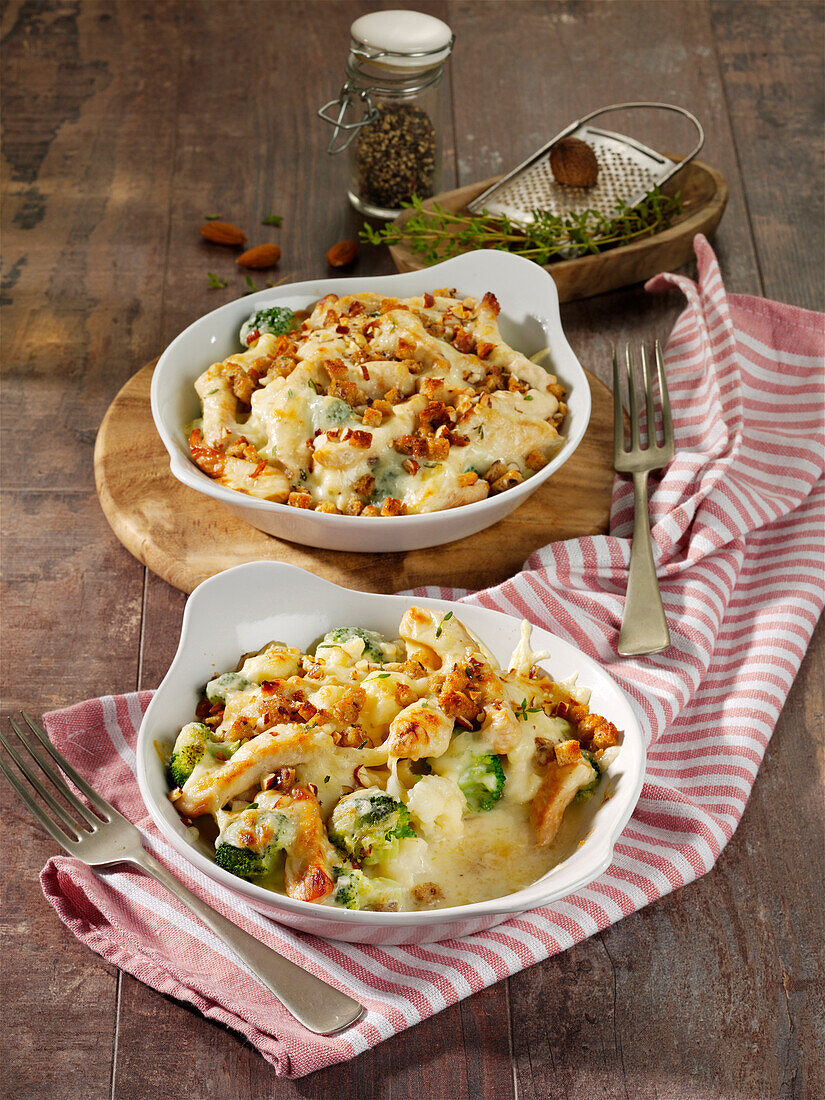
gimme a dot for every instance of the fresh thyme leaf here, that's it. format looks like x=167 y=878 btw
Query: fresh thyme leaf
x=214 y=282
x=272 y=219
x=313 y=385
x=212 y=217
x=382 y=676
x=252 y=806
x=449 y=615
x=251 y=288
x=438 y=234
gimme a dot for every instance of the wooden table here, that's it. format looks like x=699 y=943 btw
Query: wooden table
x=126 y=123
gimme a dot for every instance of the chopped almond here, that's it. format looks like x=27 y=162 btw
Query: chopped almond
x=497 y=470
x=364 y=485
x=507 y=481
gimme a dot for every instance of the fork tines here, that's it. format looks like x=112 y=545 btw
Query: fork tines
x=629 y=374
x=69 y=829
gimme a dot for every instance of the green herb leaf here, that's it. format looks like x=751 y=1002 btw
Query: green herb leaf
x=212 y=217
x=251 y=288
x=449 y=615
x=214 y=282
x=438 y=234
x=272 y=219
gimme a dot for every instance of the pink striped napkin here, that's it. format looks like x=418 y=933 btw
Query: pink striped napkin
x=738 y=525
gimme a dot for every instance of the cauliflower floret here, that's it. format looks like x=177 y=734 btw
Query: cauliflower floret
x=437 y=806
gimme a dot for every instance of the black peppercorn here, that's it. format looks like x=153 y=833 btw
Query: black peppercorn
x=395 y=156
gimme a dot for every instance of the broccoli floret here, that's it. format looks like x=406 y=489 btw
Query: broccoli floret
x=222 y=750
x=189 y=748
x=217 y=690
x=257 y=859
x=277 y=320
x=356 y=890
x=243 y=862
x=583 y=793
x=372 y=641
x=476 y=771
x=329 y=412
x=368 y=824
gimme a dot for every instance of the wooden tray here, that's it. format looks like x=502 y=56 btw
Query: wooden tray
x=704 y=196
x=185 y=537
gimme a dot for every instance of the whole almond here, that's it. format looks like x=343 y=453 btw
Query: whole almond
x=262 y=255
x=223 y=233
x=573 y=163
x=342 y=253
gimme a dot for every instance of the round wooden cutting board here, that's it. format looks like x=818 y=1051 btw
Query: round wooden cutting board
x=185 y=537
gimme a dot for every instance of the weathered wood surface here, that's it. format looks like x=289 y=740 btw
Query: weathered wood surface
x=704 y=196
x=125 y=123
x=185 y=537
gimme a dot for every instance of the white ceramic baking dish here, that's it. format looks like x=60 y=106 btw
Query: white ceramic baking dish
x=529 y=321
x=244 y=608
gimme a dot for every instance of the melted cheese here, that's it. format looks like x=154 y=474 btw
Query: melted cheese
x=498 y=406
x=299 y=732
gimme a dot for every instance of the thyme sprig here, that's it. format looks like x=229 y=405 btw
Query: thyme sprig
x=439 y=234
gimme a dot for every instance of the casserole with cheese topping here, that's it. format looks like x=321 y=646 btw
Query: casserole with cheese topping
x=390 y=775
x=371 y=405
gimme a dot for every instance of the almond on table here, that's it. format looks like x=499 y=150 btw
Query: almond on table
x=342 y=253
x=260 y=257
x=223 y=233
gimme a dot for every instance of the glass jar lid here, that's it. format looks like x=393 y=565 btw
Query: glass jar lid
x=408 y=40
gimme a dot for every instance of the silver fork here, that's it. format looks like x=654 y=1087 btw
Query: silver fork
x=105 y=837
x=644 y=626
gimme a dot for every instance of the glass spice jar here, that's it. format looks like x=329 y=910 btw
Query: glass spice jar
x=388 y=114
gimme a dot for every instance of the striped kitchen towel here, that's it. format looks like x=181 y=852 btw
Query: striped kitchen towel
x=738 y=528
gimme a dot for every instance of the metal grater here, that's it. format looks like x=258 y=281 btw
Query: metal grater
x=628 y=171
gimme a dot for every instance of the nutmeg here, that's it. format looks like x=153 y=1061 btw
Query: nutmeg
x=342 y=253
x=573 y=163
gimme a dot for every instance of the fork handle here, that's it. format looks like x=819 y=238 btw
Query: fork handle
x=317 y=1005
x=644 y=626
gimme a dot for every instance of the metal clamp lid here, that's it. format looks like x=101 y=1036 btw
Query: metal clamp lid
x=346 y=100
